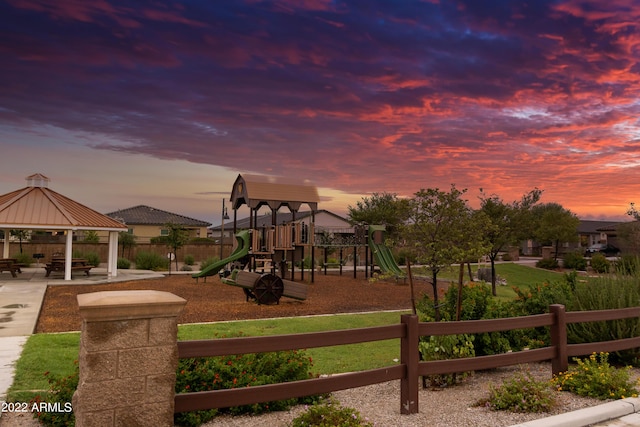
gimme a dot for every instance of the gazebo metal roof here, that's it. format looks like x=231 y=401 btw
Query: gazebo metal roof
x=42 y=208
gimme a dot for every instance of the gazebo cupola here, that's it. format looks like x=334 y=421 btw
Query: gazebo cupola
x=37 y=180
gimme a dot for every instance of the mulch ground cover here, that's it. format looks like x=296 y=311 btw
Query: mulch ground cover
x=212 y=300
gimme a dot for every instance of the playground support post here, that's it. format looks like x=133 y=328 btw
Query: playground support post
x=223 y=217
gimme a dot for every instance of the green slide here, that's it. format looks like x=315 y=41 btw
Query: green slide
x=382 y=254
x=241 y=251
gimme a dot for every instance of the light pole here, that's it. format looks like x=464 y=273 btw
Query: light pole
x=224 y=216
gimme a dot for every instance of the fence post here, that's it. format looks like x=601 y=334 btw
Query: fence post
x=128 y=358
x=560 y=362
x=409 y=357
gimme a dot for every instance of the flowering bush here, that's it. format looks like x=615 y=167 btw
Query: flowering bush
x=595 y=377
x=521 y=393
x=236 y=371
x=330 y=414
x=60 y=392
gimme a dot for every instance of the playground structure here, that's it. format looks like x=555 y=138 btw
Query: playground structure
x=271 y=253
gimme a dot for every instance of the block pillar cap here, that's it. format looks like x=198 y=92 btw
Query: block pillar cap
x=127 y=305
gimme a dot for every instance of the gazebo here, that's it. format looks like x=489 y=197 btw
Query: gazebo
x=36 y=207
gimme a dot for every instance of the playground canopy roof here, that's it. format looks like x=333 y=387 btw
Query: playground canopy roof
x=275 y=192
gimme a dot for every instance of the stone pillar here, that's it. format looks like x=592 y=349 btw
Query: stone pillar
x=128 y=358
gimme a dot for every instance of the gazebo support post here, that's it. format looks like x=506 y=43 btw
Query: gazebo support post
x=5 y=248
x=112 y=262
x=68 y=255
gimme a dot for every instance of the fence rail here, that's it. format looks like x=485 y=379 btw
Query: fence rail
x=410 y=368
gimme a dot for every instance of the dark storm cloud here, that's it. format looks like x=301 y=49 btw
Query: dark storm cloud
x=336 y=91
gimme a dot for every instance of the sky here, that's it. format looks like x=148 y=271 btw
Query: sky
x=163 y=104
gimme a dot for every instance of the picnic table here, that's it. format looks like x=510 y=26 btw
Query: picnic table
x=11 y=265
x=58 y=264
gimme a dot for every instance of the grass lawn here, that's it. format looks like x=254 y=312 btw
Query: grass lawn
x=516 y=275
x=62 y=349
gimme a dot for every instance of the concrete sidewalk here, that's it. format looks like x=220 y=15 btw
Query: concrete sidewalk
x=619 y=413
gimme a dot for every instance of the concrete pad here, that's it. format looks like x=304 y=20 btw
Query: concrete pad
x=20 y=305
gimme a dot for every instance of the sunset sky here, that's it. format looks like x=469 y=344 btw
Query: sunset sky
x=122 y=103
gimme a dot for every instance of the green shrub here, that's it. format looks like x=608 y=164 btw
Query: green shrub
x=189 y=260
x=151 y=261
x=201 y=240
x=477 y=303
x=186 y=268
x=536 y=299
x=503 y=341
x=547 y=263
x=628 y=265
x=330 y=414
x=60 y=391
x=600 y=263
x=23 y=258
x=574 y=261
x=605 y=293
x=474 y=303
x=92 y=258
x=91 y=236
x=521 y=393
x=207 y=262
x=595 y=377
x=443 y=347
x=124 y=264
x=330 y=262
x=226 y=372
x=306 y=262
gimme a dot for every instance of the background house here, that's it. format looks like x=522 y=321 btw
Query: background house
x=325 y=222
x=146 y=222
x=592 y=232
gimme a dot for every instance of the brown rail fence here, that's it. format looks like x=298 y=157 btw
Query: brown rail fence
x=410 y=368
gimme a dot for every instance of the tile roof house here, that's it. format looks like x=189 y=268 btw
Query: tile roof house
x=324 y=221
x=592 y=232
x=146 y=222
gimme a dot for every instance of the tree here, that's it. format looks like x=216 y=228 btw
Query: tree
x=438 y=231
x=21 y=235
x=554 y=224
x=176 y=238
x=507 y=224
x=632 y=211
x=629 y=232
x=380 y=209
x=127 y=241
x=91 y=236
